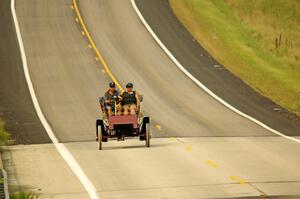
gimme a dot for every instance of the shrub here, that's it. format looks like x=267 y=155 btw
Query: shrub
x=23 y=195
x=4 y=136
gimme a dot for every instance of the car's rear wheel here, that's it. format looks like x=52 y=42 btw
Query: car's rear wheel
x=147 y=135
x=99 y=137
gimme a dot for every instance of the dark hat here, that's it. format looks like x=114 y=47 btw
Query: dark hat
x=112 y=85
x=129 y=85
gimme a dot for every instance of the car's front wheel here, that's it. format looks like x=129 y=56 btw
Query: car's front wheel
x=100 y=134
x=148 y=135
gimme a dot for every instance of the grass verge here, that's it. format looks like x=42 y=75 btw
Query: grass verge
x=257 y=40
x=23 y=195
x=4 y=135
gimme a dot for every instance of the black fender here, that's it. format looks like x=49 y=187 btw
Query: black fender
x=99 y=123
x=146 y=120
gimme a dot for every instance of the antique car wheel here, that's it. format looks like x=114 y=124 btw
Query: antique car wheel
x=147 y=135
x=100 y=137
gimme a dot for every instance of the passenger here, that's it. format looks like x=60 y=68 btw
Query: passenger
x=109 y=99
x=130 y=100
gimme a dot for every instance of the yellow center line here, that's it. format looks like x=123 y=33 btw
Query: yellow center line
x=238 y=180
x=79 y=18
x=212 y=163
x=158 y=127
x=188 y=148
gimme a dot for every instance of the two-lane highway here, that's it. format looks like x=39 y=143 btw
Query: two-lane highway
x=217 y=153
x=171 y=98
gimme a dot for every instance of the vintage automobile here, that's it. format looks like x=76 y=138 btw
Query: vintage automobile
x=122 y=126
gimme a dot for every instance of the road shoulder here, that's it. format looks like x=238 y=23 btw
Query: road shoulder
x=31 y=168
x=212 y=74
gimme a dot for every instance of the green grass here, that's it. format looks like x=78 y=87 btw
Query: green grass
x=23 y=195
x=241 y=35
x=4 y=136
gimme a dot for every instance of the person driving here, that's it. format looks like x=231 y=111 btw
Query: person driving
x=130 y=100
x=110 y=96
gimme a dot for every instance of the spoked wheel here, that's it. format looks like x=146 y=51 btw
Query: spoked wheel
x=99 y=137
x=147 y=135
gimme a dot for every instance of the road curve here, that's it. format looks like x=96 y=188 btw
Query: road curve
x=217 y=153
x=171 y=99
x=212 y=74
x=65 y=75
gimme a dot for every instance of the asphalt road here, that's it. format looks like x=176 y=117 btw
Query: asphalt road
x=16 y=107
x=171 y=99
x=211 y=73
x=212 y=152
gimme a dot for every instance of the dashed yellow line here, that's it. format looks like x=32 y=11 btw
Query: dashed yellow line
x=158 y=127
x=212 y=164
x=238 y=180
x=263 y=195
x=172 y=138
x=188 y=148
x=79 y=19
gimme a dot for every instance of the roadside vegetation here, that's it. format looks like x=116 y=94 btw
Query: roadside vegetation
x=4 y=136
x=23 y=195
x=257 y=40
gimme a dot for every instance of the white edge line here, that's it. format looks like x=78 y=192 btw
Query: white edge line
x=60 y=147
x=196 y=81
x=6 y=192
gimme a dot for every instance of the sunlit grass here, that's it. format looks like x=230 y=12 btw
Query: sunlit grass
x=241 y=35
x=273 y=20
x=4 y=136
x=23 y=195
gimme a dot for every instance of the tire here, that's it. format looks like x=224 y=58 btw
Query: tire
x=147 y=135
x=99 y=137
